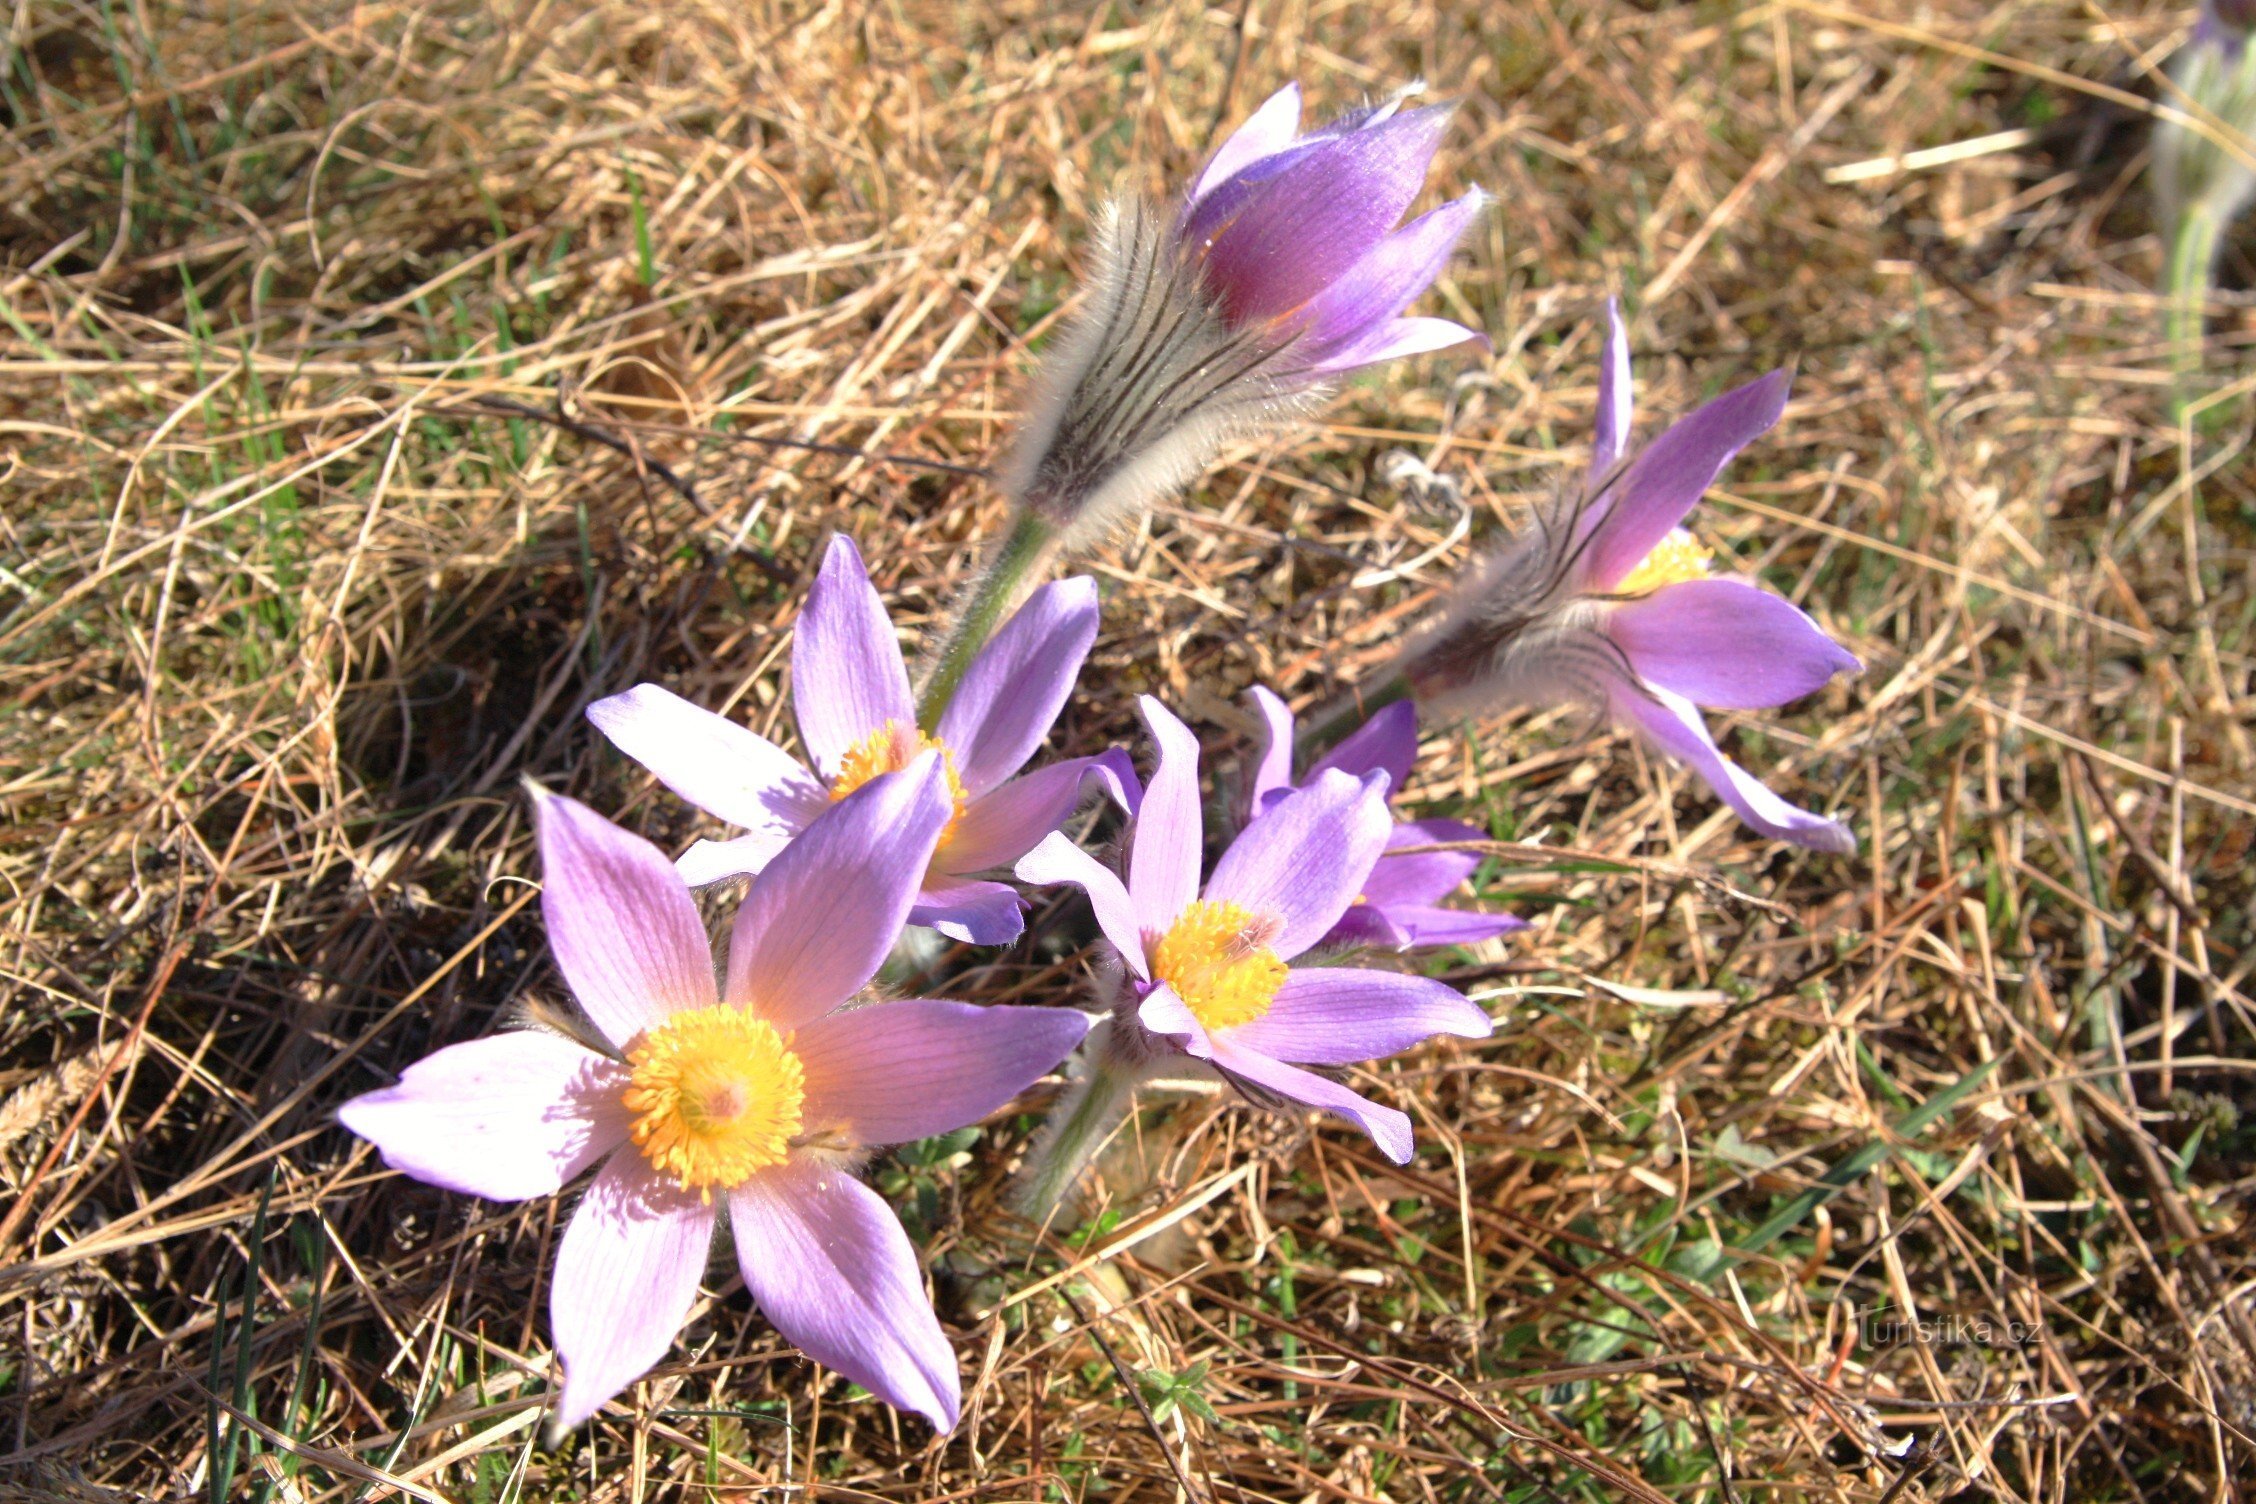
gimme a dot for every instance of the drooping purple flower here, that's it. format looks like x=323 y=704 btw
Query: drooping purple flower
x=1207 y=970
x=1608 y=600
x=756 y=1099
x=850 y=688
x=1400 y=902
x=1285 y=267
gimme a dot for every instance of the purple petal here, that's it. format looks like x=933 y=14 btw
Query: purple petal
x=896 y=1072
x=1303 y=862
x=626 y=1275
x=1424 y=925
x=1672 y=473
x=709 y=862
x=1611 y=430
x=621 y=923
x=1003 y=826
x=1427 y=875
x=817 y=924
x=1674 y=722
x=1327 y=1015
x=1273 y=241
x=1385 y=743
x=1371 y=293
x=1389 y=1129
x=847 y=677
x=1170 y=837
x=1726 y=643
x=1398 y=339
x=828 y=1263
x=1266 y=131
x=1369 y=925
x=1273 y=773
x=724 y=769
x=1018 y=683
x=970 y=910
x=1058 y=860
x=508 y=1117
x=1167 y=1015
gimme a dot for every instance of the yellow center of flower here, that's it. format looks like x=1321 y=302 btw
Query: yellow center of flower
x=1218 y=960
x=716 y=1095
x=1674 y=560
x=888 y=749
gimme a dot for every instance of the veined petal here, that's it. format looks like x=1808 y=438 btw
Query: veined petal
x=1018 y=683
x=1265 y=132
x=1674 y=722
x=969 y=909
x=1330 y=1015
x=1369 y=925
x=1058 y=860
x=1672 y=473
x=724 y=769
x=621 y=924
x=709 y=862
x=1386 y=743
x=1397 y=339
x=1170 y=835
x=1425 y=925
x=1611 y=430
x=1303 y=862
x=1273 y=773
x=1371 y=293
x=1164 y=1013
x=1426 y=875
x=626 y=1275
x=1389 y=1129
x=817 y=924
x=892 y=1073
x=1003 y=826
x=827 y=1262
x=847 y=676
x=1726 y=643
x=507 y=1117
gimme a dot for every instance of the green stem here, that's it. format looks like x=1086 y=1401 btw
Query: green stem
x=1024 y=550
x=1344 y=716
x=1077 y=1129
x=2193 y=256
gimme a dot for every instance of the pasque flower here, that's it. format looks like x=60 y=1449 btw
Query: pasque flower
x=1400 y=902
x=1608 y=600
x=850 y=689
x=2205 y=168
x=1208 y=970
x=755 y=1100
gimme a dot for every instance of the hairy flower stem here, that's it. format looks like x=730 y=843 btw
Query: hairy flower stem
x=2193 y=257
x=1077 y=1128
x=1025 y=552
x=1340 y=719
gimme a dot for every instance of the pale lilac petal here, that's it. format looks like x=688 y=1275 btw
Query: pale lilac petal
x=847 y=677
x=1365 y=925
x=1018 y=683
x=1003 y=826
x=1266 y=131
x=726 y=770
x=508 y=1117
x=1058 y=860
x=1302 y=863
x=1611 y=430
x=709 y=862
x=1371 y=293
x=620 y=921
x=1672 y=473
x=1385 y=743
x=817 y=924
x=1273 y=773
x=1398 y=339
x=1674 y=722
x=1726 y=643
x=827 y=1263
x=1273 y=241
x=893 y=1073
x=1169 y=841
x=1425 y=875
x=1389 y=1129
x=1164 y=1013
x=1328 y=1015
x=626 y=1275
x=970 y=909
x=1425 y=925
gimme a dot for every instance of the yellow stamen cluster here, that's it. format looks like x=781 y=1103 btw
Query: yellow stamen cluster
x=889 y=749
x=1217 y=958
x=1674 y=560
x=716 y=1095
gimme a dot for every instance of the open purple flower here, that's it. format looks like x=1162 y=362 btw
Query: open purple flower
x=1207 y=969
x=850 y=688
x=1400 y=902
x=1609 y=601
x=757 y=1099
x=1286 y=266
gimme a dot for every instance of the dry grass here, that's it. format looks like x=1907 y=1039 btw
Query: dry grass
x=292 y=597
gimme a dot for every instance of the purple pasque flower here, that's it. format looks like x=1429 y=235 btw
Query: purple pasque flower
x=1285 y=267
x=1399 y=905
x=850 y=689
x=1207 y=968
x=1608 y=600
x=755 y=1100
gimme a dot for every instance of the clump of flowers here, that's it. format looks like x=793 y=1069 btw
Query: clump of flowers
x=1608 y=601
x=755 y=1100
